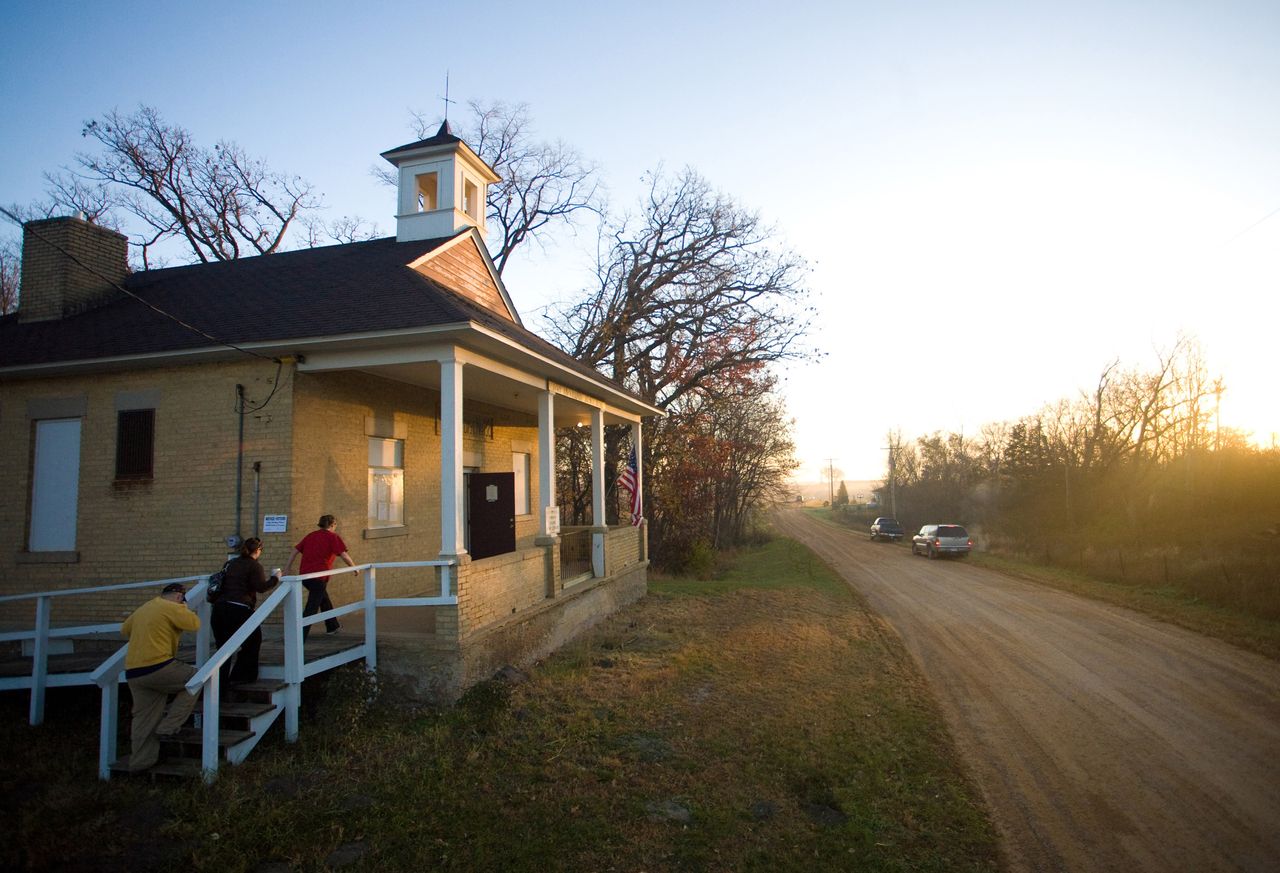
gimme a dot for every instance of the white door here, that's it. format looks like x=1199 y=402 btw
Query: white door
x=55 y=486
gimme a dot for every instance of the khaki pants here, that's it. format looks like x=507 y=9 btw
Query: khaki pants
x=150 y=693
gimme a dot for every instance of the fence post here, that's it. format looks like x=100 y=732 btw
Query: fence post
x=40 y=660
x=209 y=750
x=204 y=634
x=370 y=619
x=109 y=729
x=294 y=658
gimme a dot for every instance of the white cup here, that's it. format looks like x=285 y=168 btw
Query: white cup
x=276 y=572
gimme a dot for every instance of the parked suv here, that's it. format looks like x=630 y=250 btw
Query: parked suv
x=887 y=529
x=941 y=539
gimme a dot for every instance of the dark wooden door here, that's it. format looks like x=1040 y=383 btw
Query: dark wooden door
x=491 y=513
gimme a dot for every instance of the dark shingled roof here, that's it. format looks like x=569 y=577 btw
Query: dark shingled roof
x=443 y=136
x=355 y=288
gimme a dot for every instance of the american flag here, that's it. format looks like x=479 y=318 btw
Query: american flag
x=627 y=479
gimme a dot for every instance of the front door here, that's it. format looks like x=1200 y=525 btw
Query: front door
x=491 y=514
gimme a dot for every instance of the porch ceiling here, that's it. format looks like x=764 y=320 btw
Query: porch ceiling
x=496 y=371
x=494 y=389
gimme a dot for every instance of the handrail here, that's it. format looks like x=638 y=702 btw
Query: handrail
x=98 y=589
x=114 y=662
x=260 y=614
x=109 y=673
x=232 y=645
x=55 y=633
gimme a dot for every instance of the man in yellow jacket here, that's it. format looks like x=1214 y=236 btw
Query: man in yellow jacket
x=154 y=673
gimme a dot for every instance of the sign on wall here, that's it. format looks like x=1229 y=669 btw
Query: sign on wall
x=275 y=523
x=553 y=521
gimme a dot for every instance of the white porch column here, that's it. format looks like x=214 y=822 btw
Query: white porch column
x=597 y=468
x=451 y=495
x=638 y=445
x=599 y=522
x=546 y=459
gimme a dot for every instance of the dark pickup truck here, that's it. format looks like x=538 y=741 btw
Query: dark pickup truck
x=886 y=529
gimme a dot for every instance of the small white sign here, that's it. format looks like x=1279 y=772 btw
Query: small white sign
x=491 y=493
x=275 y=523
x=553 y=521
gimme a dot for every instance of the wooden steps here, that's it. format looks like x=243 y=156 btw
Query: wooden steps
x=173 y=768
x=242 y=706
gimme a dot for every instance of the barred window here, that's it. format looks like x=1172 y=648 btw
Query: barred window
x=135 y=443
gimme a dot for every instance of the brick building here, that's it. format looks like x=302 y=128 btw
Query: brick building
x=149 y=419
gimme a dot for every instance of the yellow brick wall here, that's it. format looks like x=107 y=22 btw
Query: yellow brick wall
x=494 y=589
x=172 y=525
x=331 y=470
x=312 y=444
x=622 y=547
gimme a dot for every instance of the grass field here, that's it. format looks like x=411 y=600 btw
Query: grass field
x=1242 y=620
x=762 y=721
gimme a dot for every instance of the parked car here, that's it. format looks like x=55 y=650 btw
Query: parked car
x=887 y=529
x=935 y=540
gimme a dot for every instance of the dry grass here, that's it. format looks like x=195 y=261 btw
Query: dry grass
x=765 y=721
x=1173 y=603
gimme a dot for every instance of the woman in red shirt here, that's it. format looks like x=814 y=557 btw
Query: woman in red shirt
x=318 y=549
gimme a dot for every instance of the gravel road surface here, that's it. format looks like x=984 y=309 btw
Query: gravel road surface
x=1101 y=739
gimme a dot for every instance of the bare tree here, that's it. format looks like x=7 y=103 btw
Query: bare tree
x=69 y=193
x=692 y=300
x=691 y=288
x=10 y=276
x=221 y=203
x=347 y=229
x=543 y=184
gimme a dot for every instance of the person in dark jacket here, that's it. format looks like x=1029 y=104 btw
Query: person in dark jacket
x=245 y=580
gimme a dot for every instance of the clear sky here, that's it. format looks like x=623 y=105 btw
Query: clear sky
x=997 y=198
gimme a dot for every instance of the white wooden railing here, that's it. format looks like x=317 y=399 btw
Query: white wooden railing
x=288 y=597
x=44 y=632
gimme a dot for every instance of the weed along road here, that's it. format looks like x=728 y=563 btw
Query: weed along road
x=1102 y=740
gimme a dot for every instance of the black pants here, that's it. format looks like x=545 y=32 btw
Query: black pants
x=318 y=601
x=227 y=617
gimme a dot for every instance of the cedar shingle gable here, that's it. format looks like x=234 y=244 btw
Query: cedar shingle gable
x=462 y=268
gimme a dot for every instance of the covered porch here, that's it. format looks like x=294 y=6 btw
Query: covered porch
x=514 y=566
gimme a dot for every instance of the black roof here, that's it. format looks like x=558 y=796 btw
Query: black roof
x=354 y=288
x=443 y=136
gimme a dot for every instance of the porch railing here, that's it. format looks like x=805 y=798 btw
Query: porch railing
x=575 y=553
x=43 y=633
x=287 y=597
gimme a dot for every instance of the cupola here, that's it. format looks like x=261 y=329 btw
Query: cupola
x=443 y=187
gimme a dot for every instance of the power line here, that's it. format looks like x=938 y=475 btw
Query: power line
x=116 y=285
x=242 y=406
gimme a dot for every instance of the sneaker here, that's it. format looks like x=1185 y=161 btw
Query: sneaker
x=332 y=630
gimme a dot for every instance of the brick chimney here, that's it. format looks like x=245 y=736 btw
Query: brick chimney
x=53 y=284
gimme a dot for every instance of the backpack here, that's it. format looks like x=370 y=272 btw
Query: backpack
x=214 y=589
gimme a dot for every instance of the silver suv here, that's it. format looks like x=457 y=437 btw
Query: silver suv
x=935 y=540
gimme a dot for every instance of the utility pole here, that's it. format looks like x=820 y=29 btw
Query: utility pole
x=831 y=482
x=893 y=484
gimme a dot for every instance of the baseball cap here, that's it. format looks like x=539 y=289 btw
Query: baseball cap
x=174 y=586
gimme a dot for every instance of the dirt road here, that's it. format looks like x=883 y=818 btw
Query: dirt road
x=1101 y=739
